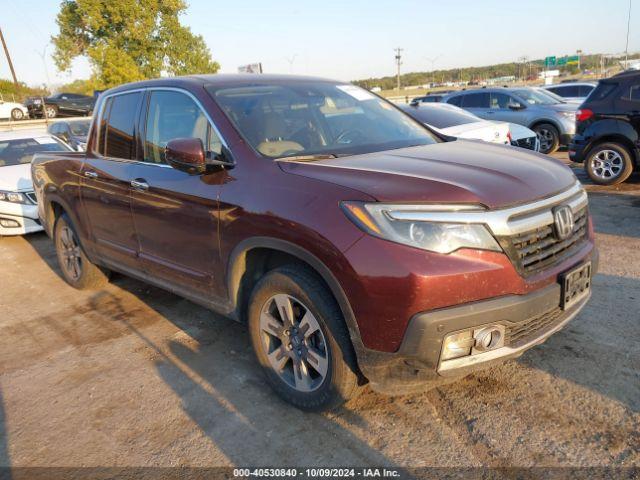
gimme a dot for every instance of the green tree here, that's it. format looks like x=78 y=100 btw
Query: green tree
x=129 y=40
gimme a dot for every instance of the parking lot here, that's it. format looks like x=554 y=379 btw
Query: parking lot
x=134 y=376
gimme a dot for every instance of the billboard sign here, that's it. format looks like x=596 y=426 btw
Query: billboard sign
x=250 y=68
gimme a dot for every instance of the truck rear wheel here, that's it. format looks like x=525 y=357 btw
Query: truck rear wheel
x=76 y=268
x=301 y=341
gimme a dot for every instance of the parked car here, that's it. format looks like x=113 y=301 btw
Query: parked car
x=73 y=132
x=456 y=122
x=355 y=243
x=18 y=210
x=575 y=91
x=61 y=104
x=553 y=121
x=608 y=130
x=429 y=98
x=12 y=110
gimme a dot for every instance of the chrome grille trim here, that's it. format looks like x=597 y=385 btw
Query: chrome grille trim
x=503 y=222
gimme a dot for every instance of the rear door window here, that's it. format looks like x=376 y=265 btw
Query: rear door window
x=476 y=100
x=119 y=139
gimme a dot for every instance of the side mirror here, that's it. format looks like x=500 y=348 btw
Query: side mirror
x=515 y=106
x=186 y=154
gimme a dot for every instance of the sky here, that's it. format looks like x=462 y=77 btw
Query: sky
x=349 y=40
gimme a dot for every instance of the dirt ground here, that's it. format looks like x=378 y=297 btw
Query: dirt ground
x=135 y=376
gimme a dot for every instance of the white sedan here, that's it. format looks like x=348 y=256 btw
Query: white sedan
x=18 y=208
x=13 y=110
x=456 y=122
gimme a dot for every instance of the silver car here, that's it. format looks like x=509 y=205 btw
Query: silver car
x=552 y=120
x=574 y=92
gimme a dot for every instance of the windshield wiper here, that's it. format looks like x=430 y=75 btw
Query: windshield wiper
x=308 y=158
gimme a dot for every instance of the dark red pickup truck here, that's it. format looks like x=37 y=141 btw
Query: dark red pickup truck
x=358 y=245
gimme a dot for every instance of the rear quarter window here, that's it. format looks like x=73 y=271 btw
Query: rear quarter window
x=602 y=91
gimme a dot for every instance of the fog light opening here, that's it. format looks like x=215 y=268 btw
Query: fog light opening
x=9 y=223
x=489 y=338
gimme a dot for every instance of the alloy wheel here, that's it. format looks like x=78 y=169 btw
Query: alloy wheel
x=546 y=139
x=17 y=114
x=71 y=255
x=50 y=112
x=607 y=164
x=294 y=343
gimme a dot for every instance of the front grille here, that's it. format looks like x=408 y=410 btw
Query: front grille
x=520 y=334
x=536 y=249
x=32 y=197
x=529 y=143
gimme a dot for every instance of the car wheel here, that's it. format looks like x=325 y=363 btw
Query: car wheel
x=549 y=137
x=301 y=341
x=76 y=268
x=51 y=111
x=17 y=114
x=609 y=164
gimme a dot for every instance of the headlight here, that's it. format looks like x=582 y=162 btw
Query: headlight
x=387 y=222
x=568 y=115
x=13 y=197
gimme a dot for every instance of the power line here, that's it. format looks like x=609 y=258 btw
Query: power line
x=6 y=52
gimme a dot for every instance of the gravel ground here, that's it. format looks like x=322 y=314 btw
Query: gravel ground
x=134 y=376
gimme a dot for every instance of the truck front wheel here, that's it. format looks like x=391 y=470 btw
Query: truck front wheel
x=76 y=268
x=301 y=341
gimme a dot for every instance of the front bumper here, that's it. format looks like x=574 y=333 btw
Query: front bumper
x=24 y=216
x=528 y=321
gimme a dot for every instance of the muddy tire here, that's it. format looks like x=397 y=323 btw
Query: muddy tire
x=301 y=341
x=76 y=268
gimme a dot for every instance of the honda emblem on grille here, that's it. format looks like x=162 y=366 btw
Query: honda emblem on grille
x=563 y=221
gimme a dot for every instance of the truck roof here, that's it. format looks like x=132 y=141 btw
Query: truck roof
x=222 y=79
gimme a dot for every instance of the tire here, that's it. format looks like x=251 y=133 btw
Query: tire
x=315 y=348
x=76 y=268
x=608 y=164
x=549 y=137
x=50 y=111
x=17 y=114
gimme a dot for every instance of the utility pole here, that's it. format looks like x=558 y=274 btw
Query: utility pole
x=579 y=53
x=6 y=52
x=626 y=48
x=398 y=63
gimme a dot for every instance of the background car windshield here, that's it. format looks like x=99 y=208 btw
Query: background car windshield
x=440 y=117
x=535 y=98
x=80 y=129
x=554 y=96
x=16 y=152
x=308 y=118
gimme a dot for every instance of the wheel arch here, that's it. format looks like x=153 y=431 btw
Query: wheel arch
x=614 y=138
x=255 y=256
x=540 y=121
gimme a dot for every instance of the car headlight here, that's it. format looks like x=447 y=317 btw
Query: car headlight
x=13 y=197
x=568 y=115
x=391 y=222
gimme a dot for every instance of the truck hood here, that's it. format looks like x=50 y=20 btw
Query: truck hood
x=461 y=171
x=16 y=178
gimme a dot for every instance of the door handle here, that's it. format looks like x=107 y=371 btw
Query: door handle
x=139 y=184
x=90 y=174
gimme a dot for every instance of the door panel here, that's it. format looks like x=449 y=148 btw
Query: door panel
x=176 y=222
x=106 y=198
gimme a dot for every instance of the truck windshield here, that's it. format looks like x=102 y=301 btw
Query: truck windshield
x=17 y=151
x=311 y=118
